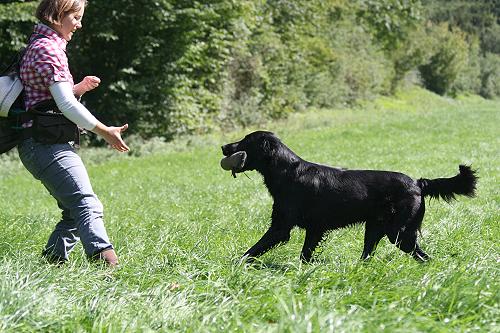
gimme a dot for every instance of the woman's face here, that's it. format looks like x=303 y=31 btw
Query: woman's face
x=69 y=24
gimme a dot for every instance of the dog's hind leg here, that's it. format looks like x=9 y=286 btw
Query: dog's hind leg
x=374 y=232
x=313 y=237
x=418 y=254
x=408 y=244
x=405 y=227
x=271 y=238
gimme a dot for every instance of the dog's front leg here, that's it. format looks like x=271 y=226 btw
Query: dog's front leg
x=420 y=255
x=373 y=234
x=271 y=238
x=313 y=237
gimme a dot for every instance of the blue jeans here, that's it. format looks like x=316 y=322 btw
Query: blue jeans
x=61 y=171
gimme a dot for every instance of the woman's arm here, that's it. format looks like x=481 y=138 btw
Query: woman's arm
x=72 y=109
x=67 y=103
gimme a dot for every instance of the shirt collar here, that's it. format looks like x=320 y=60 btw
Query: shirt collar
x=45 y=30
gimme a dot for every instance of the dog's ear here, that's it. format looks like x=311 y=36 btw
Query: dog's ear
x=266 y=145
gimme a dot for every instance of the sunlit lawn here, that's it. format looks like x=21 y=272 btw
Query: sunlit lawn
x=180 y=223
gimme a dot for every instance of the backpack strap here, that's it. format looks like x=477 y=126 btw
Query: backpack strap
x=22 y=52
x=15 y=64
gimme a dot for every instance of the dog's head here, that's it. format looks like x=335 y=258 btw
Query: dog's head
x=250 y=153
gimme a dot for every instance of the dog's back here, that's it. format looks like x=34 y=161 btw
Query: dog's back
x=338 y=197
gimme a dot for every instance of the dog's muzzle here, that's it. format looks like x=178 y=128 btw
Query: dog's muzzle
x=234 y=162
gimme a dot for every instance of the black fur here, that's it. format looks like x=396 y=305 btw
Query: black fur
x=320 y=198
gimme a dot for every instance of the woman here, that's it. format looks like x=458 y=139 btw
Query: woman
x=45 y=75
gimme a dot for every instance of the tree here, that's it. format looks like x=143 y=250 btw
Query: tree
x=160 y=61
x=481 y=18
x=16 y=23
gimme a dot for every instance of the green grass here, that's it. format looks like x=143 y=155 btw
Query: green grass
x=180 y=223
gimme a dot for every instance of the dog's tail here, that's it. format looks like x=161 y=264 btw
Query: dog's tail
x=446 y=188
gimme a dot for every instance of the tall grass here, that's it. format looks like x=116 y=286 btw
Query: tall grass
x=180 y=223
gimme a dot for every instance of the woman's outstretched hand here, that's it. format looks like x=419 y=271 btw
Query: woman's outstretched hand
x=113 y=136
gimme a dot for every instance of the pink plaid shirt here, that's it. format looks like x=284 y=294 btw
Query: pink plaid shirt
x=44 y=63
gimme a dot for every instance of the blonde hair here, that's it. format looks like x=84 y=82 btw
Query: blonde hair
x=53 y=11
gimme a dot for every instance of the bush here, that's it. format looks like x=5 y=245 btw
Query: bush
x=469 y=77
x=490 y=76
x=362 y=69
x=448 y=59
x=300 y=55
x=491 y=39
x=410 y=54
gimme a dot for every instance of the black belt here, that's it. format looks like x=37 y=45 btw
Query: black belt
x=42 y=109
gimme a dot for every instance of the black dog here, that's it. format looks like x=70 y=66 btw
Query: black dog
x=319 y=198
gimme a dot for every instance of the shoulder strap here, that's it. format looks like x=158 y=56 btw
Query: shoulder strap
x=16 y=61
x=22 y=52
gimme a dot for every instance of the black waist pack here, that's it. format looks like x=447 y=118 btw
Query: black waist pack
x=51 y=126
x=11 y=128
x=9 y=135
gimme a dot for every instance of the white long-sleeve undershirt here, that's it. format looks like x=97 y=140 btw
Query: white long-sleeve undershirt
x=71 y=108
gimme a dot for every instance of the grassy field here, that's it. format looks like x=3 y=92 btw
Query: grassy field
x=180 y=223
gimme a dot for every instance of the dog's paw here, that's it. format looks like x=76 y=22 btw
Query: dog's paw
x=421 y=256
x=244 y=260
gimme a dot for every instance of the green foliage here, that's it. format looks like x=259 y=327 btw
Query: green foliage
x=448 y=60
x=301 y=54
x=490 y=76
x=469 y=77
x=480 y=20
x=390 y=20
x=410 y=54
x=166 y=79
x=490 y=39
x=175 y=67
x=221 y=63
x=16 y=23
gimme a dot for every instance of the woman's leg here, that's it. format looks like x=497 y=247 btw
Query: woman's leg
x=62 y=172
x=63 y=238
